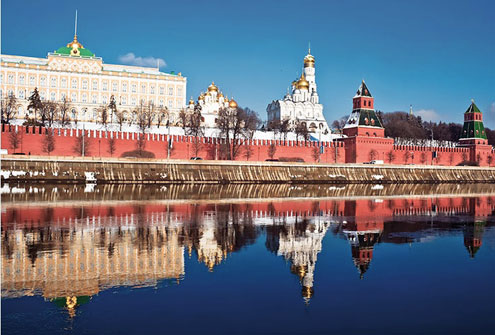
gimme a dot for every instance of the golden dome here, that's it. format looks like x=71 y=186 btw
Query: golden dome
x=191 y=101
x=201 y=96
x=212 y=87
x=309 y=60
x=220 y=95
x=302 y=83
x=232 y=103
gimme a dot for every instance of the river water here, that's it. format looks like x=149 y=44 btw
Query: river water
x=248 y=259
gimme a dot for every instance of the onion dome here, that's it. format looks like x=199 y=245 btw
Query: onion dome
x=309 y=60
x=232 y=103
x=191 y=101
x=212 y=87
x=201 y=97
x=220 y=95
x=302 y=83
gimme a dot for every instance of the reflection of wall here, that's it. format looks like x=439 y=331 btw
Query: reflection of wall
x=86 y=257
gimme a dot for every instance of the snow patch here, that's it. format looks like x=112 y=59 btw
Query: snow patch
x=90 y=188
x=90 y=176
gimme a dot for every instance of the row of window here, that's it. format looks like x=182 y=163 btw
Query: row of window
x=94 y=85
x=93 y=99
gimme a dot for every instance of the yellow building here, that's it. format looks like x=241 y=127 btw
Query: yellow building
x=75 y=73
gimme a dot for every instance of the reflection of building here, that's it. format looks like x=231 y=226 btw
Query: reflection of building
x=69 y=263
x=363 y=231
x=473 y=235
x=211 y=102
x=302 y=104
x=300 y=243
x=75 y=73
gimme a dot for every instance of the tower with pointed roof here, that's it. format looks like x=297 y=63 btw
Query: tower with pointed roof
x=474 y=136
x=364 y=134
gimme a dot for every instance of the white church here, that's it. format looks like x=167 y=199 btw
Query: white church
x=302 y=104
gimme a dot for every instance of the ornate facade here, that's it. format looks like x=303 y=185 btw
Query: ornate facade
x=75 y=73
x=302 y=104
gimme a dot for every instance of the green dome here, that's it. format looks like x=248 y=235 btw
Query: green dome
x=68 y=50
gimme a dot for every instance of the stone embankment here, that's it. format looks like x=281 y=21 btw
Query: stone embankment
x=120 y=171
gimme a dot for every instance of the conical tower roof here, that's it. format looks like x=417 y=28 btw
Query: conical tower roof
x=363 y=90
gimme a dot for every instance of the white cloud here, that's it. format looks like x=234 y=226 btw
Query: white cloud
x=131 y=59
x=428 y=115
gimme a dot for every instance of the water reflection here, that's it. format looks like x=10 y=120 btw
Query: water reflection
x=70 y=251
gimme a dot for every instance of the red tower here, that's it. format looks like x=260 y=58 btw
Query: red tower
x=365 y=136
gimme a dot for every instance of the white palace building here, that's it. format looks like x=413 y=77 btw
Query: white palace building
x=302 y=104
x=75 y=73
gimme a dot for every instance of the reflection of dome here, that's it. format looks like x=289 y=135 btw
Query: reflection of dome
x=212 y=87
x=232 y=103
x=302 y=83
x=307 y=292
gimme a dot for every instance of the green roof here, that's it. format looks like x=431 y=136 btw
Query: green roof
x=473 y=129
x=67 y=51
x=369 y=118
x=473 y=108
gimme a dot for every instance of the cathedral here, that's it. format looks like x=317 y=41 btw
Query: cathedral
x=302 y=103
x=210 y=103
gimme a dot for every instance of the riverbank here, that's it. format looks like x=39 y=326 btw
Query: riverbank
x=120 y=171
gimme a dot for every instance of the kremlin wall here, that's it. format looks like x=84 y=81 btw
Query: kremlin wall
x=362 y=140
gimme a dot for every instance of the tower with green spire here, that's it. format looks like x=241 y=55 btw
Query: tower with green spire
x=474 y=136
x=473 y=131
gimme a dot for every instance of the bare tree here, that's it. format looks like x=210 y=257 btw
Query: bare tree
x=479 y=159
x=119 y=117
x=407 y=155
x=272 y=149
x=48 y=143
x=236 y=124
x=195 y=129
x=316 y=153
x=103 y=114
x=162 y=114
x=248 y=152
x=183 y=119
x=15 y=139
x=390 y=156
x=83 y=145
x=142 y=123
x=301 y=130
x=46 y=108
x=63 y=112
x=489 y=160
x=285 y=128
x=423 y=157
x=112 y=146
x=149 y=114
x=9 y=108
x=50 y=109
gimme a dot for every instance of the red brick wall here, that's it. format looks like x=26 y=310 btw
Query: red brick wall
x=182 y=146
x=349 y=150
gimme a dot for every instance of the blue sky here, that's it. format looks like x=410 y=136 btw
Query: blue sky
x=435 y=55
